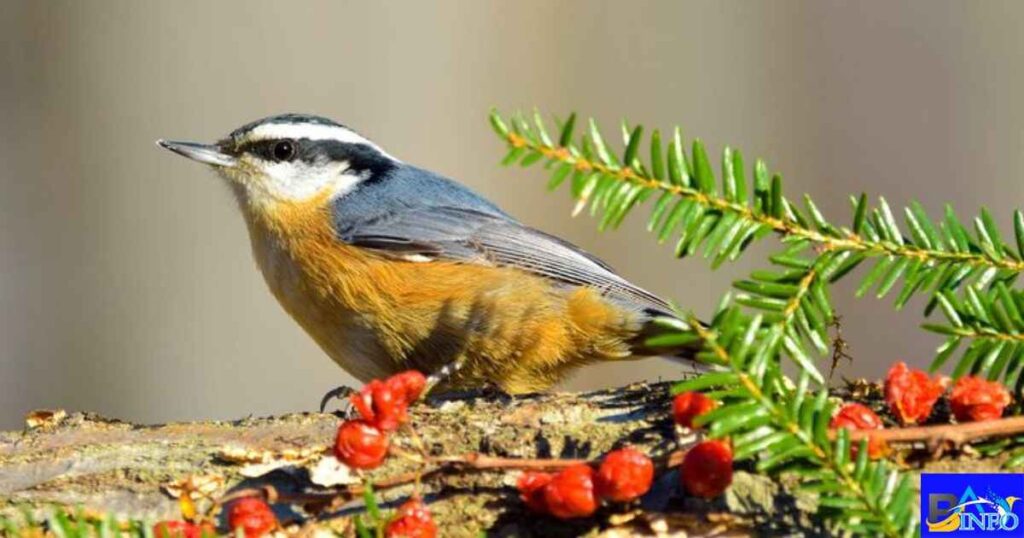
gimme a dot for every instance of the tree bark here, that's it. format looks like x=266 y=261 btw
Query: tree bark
x=133 y=471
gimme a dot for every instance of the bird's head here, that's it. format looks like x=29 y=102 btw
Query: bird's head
x=290 y=158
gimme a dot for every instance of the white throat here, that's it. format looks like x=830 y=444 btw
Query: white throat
x=295 y=182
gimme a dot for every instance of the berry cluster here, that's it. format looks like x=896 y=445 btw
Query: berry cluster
x=911 y=395
x=363 y=443
x=576 y=491
x=706 y=470
x=626 y=474
x=383 y=406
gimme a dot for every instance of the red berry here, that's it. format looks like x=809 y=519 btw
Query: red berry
x=570 y=493
x=975 y=399
x=855 y=416
x=409 y=384
x=253 y=516
x=175 y=529
x=531 y=490
x=707 y=469
x=911 y=393
x=413 y=520
x=624 y=475
x=379 y=404
x=687 y=406
x=360 y=445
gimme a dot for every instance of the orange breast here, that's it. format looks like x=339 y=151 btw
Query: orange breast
x=375 y=315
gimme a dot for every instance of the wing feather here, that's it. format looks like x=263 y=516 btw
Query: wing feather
x=471 y=236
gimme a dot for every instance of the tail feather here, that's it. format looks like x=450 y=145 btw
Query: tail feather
x=646 y=344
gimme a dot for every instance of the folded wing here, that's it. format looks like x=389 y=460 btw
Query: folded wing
x=471 y=236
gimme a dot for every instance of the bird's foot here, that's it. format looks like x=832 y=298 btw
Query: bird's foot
x=341 y=393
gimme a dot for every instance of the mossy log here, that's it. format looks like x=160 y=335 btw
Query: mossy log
x=134 y=472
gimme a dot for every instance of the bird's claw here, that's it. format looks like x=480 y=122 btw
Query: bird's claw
x=342 y=393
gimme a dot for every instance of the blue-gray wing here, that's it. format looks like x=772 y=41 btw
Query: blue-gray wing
x=485 y=237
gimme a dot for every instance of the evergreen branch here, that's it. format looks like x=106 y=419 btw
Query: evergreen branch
x=785 y=427
x=932 y=256
x=782 y=426
x=792 y=429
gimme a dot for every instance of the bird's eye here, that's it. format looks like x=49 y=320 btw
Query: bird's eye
x=284 y=150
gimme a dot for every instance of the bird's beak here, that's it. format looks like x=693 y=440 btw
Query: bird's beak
x=204 y=153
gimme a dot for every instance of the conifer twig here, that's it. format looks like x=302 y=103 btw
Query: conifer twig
x=850 y=241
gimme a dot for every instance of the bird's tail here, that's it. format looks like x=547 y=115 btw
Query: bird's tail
x=661 y=337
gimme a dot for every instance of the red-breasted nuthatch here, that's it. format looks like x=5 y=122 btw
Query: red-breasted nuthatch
x=389 y=266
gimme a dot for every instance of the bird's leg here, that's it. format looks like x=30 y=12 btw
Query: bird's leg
x=442 y=374
x=342 y=393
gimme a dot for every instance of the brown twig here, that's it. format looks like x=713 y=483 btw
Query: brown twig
x=956 y=434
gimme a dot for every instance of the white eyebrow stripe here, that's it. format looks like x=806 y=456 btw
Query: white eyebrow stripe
x=311 y=131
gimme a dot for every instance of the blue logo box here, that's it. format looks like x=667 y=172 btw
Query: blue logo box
x=962 y=505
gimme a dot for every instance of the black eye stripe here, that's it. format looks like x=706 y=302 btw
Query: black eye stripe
x=304 y=149
x=360 y=157
x=271 y=150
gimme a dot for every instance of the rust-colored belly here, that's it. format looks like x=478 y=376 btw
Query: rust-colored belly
x=375 y=315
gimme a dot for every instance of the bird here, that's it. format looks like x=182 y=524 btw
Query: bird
x=389 y=267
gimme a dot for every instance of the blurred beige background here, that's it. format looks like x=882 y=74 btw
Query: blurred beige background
x=126 y=285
